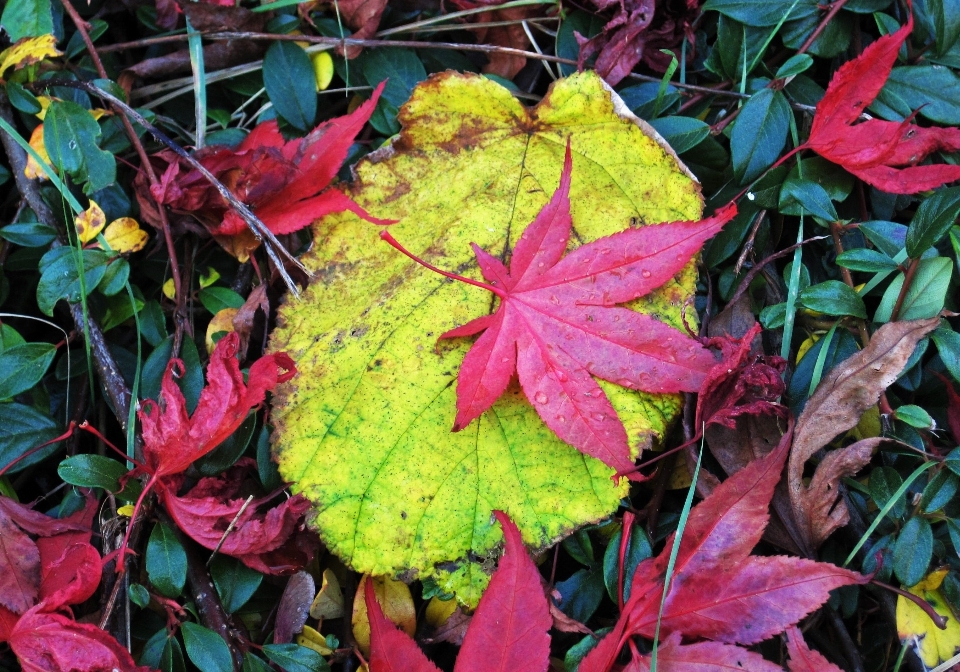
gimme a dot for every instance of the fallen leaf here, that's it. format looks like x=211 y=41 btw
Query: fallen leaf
x=393 y=598
x=508 y=632
x=842 y=397
x=220 y=323
x=884 y=154
x=511 y=35
x=284 y=182
x=802 y=658
x=125 y=236
x=27 y=51
x=89 y=223
x=674 y=656
x=33 y=170
x=557 y=326
x=718 y=590
x=370 y=419
x=363 y=16
x=294 y=607
x=328 y=602
x=932 y=644
x=246 y=318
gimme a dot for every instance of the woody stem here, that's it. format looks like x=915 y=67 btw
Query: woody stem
x=447 y=274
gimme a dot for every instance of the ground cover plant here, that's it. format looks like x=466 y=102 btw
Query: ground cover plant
x=479 y=335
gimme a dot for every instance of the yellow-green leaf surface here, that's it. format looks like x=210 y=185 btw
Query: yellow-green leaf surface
x=364 y=430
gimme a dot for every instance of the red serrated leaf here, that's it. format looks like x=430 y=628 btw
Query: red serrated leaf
x=557 y=325
x=508 y=632
x=674 y=656
x=881 y=153
x=259 y=538
x=173 y=440
x=718 y=591
x=802 y=658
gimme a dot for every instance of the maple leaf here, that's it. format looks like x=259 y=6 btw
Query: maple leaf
x=267 y=541
x=508 y=631
x=557 y=325
x=284 y=182
x=802 y=658
x=881 y=153
x=718 y=590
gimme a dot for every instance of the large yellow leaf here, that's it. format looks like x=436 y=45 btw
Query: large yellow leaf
x=364 y=430
x=932 y=644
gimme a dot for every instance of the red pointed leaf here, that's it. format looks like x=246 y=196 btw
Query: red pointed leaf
x=557 y=324
x=802 y=658
x=70 y=578
x=881 y=153
x=391 y=649
x=673 y=656
x=509 y=629
x=19 y=568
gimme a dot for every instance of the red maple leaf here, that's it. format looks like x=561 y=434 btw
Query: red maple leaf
x=557 y=325
x=719 y=591
x=284 y=182
x=508 y=631
x=802 y=658
x=881 y=153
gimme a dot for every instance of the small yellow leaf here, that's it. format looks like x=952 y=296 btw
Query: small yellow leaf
x=125 y=235
x=125 y=510
x=33 y=170
x=170 y=289
x=808 y=343
x=322 y=69
x=28 y=51
x=90 y=222
x=312 y=639
x=396 y=602
x=44 y=104
x=210 y=277
x=933 y=645
x=222 y=321
x=438 y=611
x=329 y=601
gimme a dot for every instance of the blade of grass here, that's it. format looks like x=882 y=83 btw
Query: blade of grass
x=195 y=44
x=821 y=359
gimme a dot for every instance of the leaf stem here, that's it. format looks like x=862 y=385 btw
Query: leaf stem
x=938 y=620
x=824 y=22
x=904 y=288
x=447 y=274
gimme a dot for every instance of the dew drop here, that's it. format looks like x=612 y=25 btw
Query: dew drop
x=751 y=196
x=554 y=300
x=540 y=265
x=645 y=273
x=605 y=250
x=561 y=376
x=505 y=360
x=625 y=382
x=540 y=398
x=561 y=419
x=599 y=417
x=72 y=144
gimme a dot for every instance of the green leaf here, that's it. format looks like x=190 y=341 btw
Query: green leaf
x=682 y=133
x=866 y=260
x=23 y=366
x=295 y=658
x=215 y=299
x=190 y=383
x=798 y=195
x=913 y=551
x=236 y=583
x=638 y=549
x=642 y=99
x=925 y=296
x=581 y=594
x=833 y=298
x=914 y=416
x=932 y=90
x=97 y=471
x=952 y=460
x=70 y=134
x=402 y=71
x=28 y=234
x=27 y=18
x=229 y=451
x=290 y=83
x=139 y=595
x=948 y=347
x=22 y=99
x=579 y=547
x=166 y=562
x=205 y=648
x=587 y=24
x=761 y=12
x=932 y=220
x=946 y=23
x=25 y=428
x=60 y=276
x=253 y=664
x=794 y=66
x=759 y=134
x=939 y=491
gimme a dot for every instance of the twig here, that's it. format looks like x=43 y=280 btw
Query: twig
x=226 y=532
x=752 y=273
x=846 y=642
x=828 y=17
x=904 y=288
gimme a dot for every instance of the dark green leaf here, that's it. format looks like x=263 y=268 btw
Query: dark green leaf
x=840 y=347
x=834 y=39
x=60 y=277
x=236 y=583
x=837 y=182
x=153 y=323
x=682 y=133
x=946 y=23
x=932 y=220
x=952 y=461
x=22 y=367
x=139 y=595
x=70 y=135
x=889 y=237
x=227 y=453
x=638 y=549
x=759 y=12
x=403 y=71
x=22 y=99
x=295 y=658
x=759 y=134
x=810 y=197
x=206 y=649
x=884 y=481
x=932 y=90
x=97 y=471
x=794 y=66
x=190 y=383
x=833 y=298
x=116 y=276
x=290 y=83
x=913 y=551
x=24 y=429
x=642 y=99
x=215 y=299
x=579 y=547
x=266 y=467
x=925 y=296
x=866 y=260
x=948 y=347
x=939 y=491
x=581 y=22
x=253 y=664
x=28 y=234
x=166 y=562
x=26 y=18
x=580 y=595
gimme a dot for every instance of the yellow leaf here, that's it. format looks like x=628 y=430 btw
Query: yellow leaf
x=170 y=289
x=395 y=600
x=33 y=170
x=438 y=611
x=208 y=278
x=222 y=321
x=90 y=222
x=28 y=51
x=933 y=645
x=125 y=510
x=310 y=638
x=322 y=69
x=808 y=343
x=124 y=235
x=365 y=428
x=329 y=601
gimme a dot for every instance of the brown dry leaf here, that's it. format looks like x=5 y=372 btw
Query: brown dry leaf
x=294 y=607
x=841 y=398
x=245 y=319
x=363 y=16
x=512 y=36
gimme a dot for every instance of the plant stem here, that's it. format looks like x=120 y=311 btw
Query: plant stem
x=824 y=22
x=904 y=288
